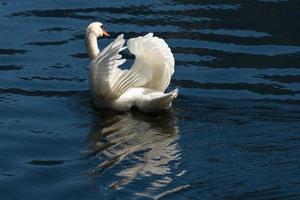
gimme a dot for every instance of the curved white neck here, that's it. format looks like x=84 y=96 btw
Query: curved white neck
x=91 y=45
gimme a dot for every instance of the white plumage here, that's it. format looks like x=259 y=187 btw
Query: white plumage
x=143 y=85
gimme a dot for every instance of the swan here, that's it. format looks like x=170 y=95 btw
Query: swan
x=143 y=85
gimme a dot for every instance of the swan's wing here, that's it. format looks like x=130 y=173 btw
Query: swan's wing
x=154 y=61
x=106 y=79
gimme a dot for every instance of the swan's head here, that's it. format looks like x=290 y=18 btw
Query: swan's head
x=97 y=28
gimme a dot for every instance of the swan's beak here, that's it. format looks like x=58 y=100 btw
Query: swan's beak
x=105 y=33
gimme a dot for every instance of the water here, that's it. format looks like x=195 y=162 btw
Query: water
x=233 y=132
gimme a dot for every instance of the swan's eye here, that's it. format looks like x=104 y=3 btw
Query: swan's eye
x=102 y=26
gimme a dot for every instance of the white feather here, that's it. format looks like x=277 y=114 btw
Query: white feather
x=143 y=85
x=154 y=60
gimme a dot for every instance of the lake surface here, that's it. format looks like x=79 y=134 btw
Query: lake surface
x=232 y=133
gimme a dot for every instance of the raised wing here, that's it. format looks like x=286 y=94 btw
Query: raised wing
x=154 y=61
x=106 y=79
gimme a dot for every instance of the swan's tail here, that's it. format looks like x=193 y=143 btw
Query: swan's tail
x=162 y=102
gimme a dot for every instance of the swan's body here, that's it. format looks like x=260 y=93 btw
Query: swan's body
x=143 y=85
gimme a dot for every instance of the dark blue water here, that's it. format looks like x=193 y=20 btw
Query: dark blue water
x=233 y=132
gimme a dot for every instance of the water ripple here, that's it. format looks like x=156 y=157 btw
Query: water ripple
x=17 y=91
x=259 y=88
x=10 y=67
x=46 y=162
x=12 y=51
x=48 y=43
x=282 y=79
x=53 y=78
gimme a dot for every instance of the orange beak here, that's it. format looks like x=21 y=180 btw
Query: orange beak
x=105 y=33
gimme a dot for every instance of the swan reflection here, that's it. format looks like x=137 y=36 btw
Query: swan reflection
x=134 y=146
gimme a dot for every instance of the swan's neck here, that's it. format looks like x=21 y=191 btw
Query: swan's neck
x=91 y=45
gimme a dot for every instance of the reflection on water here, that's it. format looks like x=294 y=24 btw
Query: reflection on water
x=147 y=145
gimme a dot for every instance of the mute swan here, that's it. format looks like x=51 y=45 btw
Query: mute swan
x=143 y=85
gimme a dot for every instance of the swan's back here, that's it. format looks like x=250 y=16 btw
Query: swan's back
x=152 y=68
x=151 y=72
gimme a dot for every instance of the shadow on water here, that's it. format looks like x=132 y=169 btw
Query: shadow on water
x=145 y=145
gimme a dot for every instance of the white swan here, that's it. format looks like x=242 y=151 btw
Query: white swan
x=143 y=85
